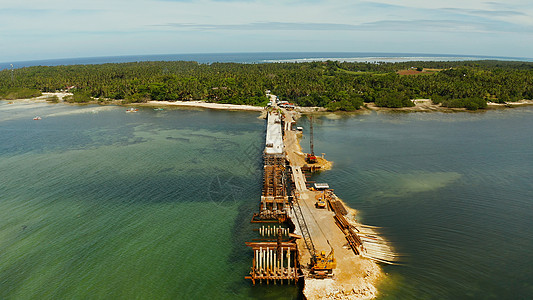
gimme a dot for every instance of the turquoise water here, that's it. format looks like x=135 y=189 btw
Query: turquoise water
x=452 y=192
x=97 y=203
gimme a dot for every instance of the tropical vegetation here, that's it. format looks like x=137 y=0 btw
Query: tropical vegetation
x=334 y=85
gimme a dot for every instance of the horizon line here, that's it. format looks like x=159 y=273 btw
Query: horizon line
x=266 y=60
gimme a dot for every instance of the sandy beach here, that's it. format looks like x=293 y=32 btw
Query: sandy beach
x=421 y=105
x=510 y=104
x=200 y=104
x=426 y=105
x=44 y=97
x=203 y=104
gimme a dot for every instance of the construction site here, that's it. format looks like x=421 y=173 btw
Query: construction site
x=303 y=231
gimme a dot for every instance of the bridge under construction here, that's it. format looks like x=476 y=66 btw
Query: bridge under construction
x=302 y=232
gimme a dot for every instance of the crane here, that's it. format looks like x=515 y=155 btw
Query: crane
x=311 y=158
x=322 y=265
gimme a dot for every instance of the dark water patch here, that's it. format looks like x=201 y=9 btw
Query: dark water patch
x=185 y=140
x=194 y=161
x=165 y=170
x=214 y=138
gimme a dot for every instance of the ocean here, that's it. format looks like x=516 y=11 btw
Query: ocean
x=97 y=203
x=267 y=57
x=452 y=192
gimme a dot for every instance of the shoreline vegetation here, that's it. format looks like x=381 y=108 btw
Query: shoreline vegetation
x=311 y=86
x=421 y=105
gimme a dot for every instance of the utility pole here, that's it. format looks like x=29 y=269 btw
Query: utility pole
x=12 y=75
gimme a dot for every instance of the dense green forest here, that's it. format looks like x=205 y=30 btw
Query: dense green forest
x=334 y=85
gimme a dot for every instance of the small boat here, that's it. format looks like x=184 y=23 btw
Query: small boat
x=132 y=110
x=158 y=109
x=10 y=102
x=37 y=118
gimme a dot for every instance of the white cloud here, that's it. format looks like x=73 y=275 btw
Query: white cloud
x=64 y=28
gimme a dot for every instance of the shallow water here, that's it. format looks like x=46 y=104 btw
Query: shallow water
x=99 y=203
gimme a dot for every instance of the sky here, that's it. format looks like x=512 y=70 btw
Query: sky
x=37 y=29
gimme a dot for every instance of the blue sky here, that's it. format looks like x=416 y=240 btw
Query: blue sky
x=36 y=29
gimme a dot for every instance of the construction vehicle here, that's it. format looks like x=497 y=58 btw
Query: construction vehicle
x=320 y=200
x=324 y=265
x=311 y=159
x=320 y=203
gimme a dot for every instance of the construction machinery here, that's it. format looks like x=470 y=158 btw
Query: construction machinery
x=324 y=264
x=320 y=203
x=320 y=200
x=311 y=158
x=321 y=265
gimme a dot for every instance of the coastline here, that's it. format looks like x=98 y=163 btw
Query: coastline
x=426 y=105
x=201 y=104
x=189 y=104
x=421 y=105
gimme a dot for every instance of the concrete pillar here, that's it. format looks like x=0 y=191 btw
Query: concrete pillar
x=289 y=260
x=264 y=260
x=256 y=259
x=275 y=263
x=281 y=261
x=271 y=260
x=260 y=259
x=267 y=259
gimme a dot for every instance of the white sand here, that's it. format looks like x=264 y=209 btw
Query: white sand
x=203 y=104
